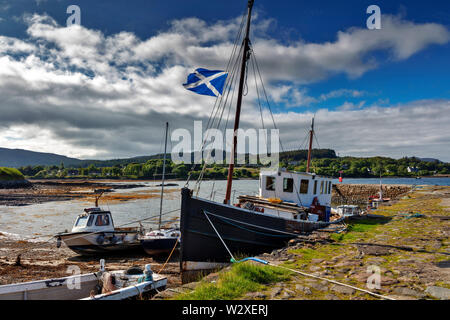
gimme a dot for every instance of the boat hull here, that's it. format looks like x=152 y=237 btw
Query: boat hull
x=87 y=243
x=244 y=232
x=158 y=246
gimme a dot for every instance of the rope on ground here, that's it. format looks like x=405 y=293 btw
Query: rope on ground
x=233 y=260
x=333 y=281
x=170 y=255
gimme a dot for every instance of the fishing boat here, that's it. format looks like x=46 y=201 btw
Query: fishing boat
x=93 y=232
x=162 y=240
x=288 y=204
x=101 y=285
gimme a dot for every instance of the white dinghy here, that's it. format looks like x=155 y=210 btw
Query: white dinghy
x=102 y=285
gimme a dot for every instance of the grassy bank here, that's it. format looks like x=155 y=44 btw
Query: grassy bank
x=10 y=174
x=406 y=244
x=241 y=278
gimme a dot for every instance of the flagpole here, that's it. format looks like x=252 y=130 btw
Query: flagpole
x=163 y=178
x=245 y=57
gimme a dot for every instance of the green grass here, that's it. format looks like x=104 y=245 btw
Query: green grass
x=358 y=229
x=242 y=278
x=8 y=174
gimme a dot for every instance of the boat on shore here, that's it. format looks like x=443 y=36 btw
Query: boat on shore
x=101 y=285
x=162 y=240
x=93 y=232
x=288 y=204
x=349 y=211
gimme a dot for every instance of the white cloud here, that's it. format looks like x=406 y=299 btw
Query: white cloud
x=79 y=92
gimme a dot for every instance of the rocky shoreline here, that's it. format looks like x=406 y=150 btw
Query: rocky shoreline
x=360 y=193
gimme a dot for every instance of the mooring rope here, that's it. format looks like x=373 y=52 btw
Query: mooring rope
x=170 y=255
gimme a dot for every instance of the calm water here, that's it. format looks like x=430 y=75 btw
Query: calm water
x=40 y=221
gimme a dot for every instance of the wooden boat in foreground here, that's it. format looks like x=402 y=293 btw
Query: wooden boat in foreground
x=127 y=284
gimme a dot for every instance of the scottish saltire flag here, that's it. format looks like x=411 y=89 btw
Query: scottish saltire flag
x=206 y=82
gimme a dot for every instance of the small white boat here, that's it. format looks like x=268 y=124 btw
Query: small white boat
x=348 y=210
x=94 y=232
x=102 y=285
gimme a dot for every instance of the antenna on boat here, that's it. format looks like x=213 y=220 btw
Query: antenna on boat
x=163 y=177
x=245 y=57
x=311 y=135
x=98 y=197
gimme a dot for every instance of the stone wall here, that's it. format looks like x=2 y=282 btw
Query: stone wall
x=359 y=193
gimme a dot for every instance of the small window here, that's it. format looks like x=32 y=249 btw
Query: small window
x=329 y=187
x=321 y=187
x=102 y=220
x=315 y=186
x=270 y=183
x=304 y=184
x=91 y=219
x=81 y=222
x=288 y=185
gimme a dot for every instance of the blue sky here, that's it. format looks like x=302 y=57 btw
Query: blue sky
x=423 y=76
x=395 y=80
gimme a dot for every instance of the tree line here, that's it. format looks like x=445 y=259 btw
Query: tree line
x=324 y=163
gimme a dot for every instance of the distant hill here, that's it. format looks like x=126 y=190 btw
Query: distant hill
x=17 y=158
x=430 y=160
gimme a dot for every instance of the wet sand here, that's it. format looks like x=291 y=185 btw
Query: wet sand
x=62 y=190
x=43 y=260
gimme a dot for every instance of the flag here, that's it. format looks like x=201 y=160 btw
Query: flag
x=206 y=82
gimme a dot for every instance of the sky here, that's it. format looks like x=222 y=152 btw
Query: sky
x=104 y=89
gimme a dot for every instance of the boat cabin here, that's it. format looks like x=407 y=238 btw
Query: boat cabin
x=348 y=210
x=93 y=220
x=298 y=187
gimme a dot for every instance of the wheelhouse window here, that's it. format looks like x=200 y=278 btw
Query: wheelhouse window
x=91 y=219
x=329 y=187
x=270 y=183
x=102 y=220
x=321 y=187
x=81 y=222
x=304 y=184
x=315 y=187
x=288 y=185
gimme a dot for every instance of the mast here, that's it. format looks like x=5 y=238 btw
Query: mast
x=311 y=135
x=163 y=177
x=245 y=57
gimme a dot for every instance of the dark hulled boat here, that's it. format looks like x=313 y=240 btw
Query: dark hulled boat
x=288 y=204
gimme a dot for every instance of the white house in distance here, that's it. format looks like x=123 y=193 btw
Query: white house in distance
x=297 y=187
x=412 y=169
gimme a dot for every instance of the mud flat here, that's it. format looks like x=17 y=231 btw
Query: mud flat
x=400 y=251
x=41 y=191
x=42 y=260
